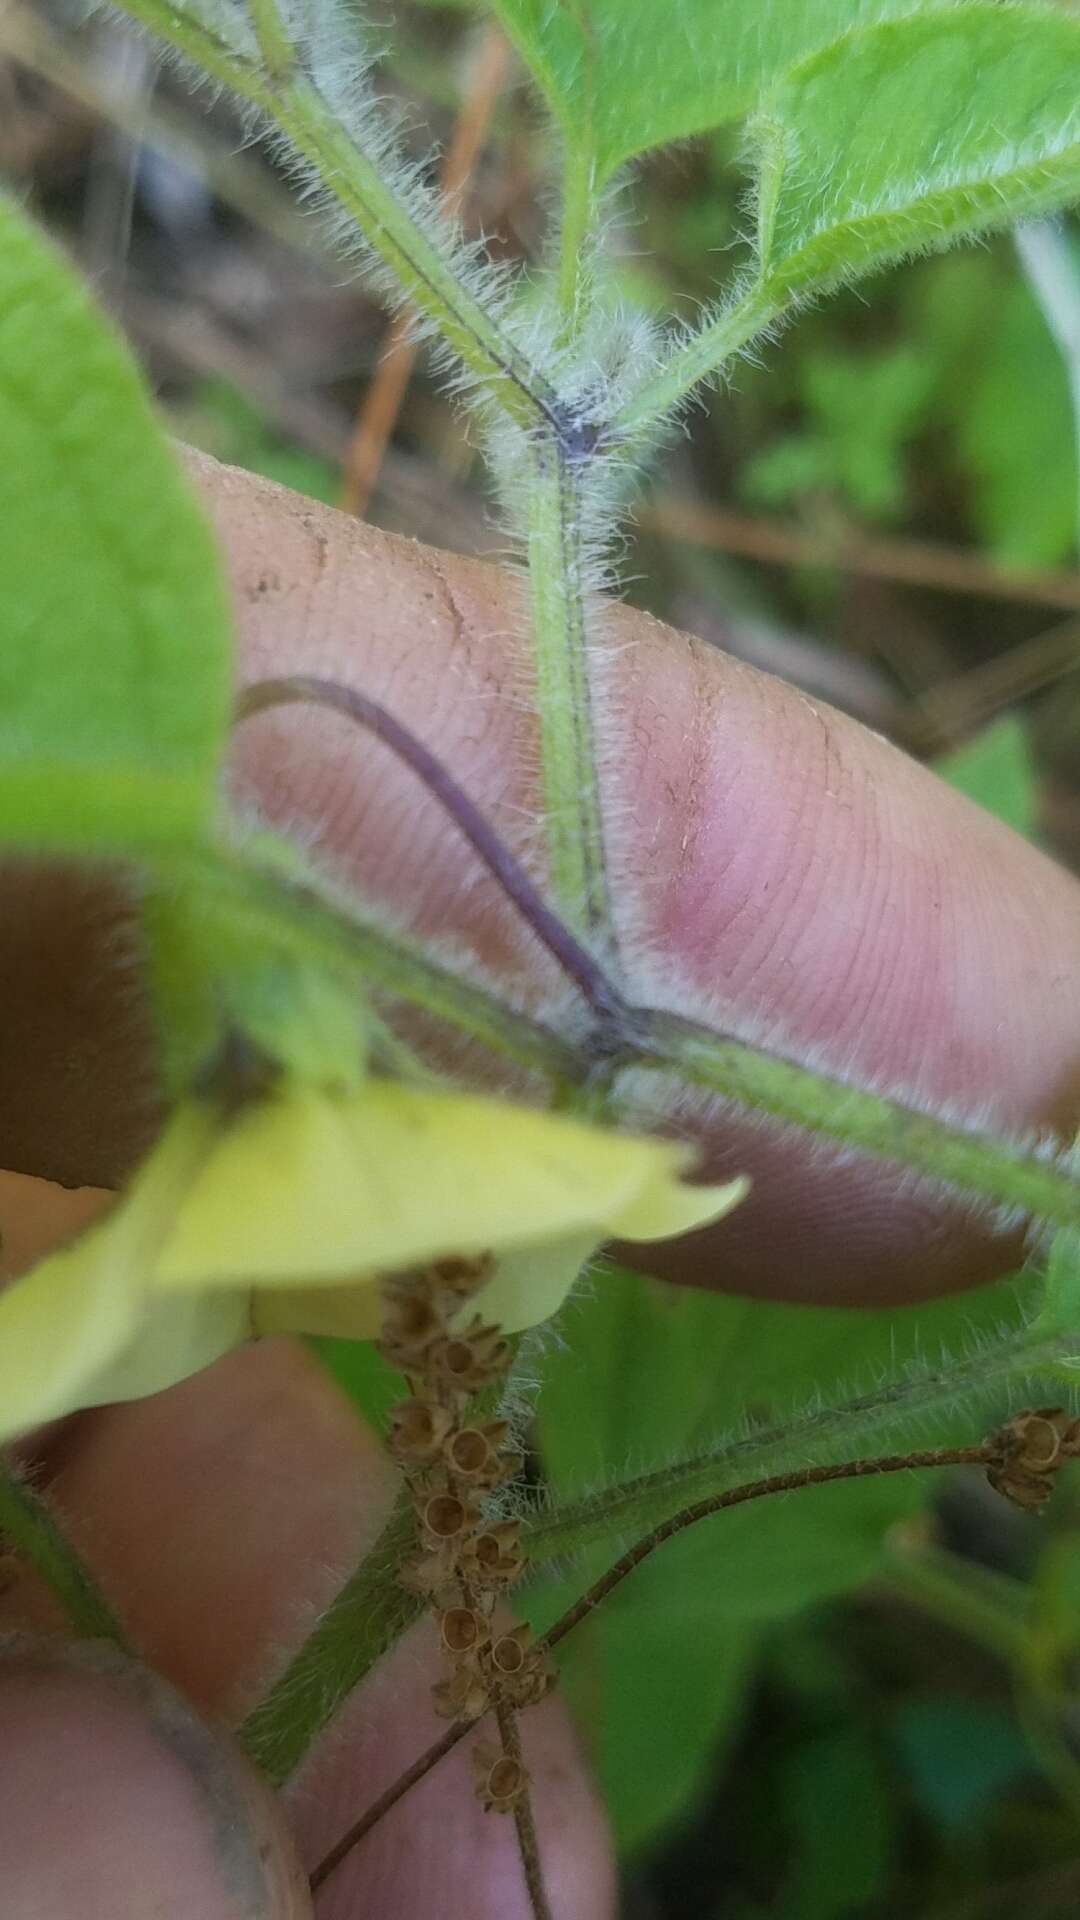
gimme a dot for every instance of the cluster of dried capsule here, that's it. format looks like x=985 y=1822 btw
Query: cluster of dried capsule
x=453 y=1461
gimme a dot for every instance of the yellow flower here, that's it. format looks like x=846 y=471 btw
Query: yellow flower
x=288 y=1215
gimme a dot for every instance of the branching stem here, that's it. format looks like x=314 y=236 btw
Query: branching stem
x=425 y=271
x=696 y=358
x=574 y=1615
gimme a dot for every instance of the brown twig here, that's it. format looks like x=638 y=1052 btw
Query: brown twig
x=983 y=1455
x=382 y=402
x=915 y=563
x=524 y=1821
x=410 y=1778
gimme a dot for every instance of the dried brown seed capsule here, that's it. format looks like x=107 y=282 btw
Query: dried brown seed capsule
x=500 y=1780
x=462 y=1276
x=464 y=1696
x=418 y=1429
x=474 y=1453
x=462 y=1630
x=446 y=1517
x=411 y=1326
x=469 y=1360
x=510 y=1652
x=1031 y=1449
x=530 y=1686
x=494 y=1558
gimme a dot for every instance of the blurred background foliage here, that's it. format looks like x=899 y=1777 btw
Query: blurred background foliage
x=863 y=1701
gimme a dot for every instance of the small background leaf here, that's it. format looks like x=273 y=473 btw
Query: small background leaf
x=115 y=667
x=1008 y=405
x=997 y=770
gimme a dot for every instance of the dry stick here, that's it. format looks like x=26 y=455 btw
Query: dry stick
x=382 y=403
x=524 y=1822
x=595 y=986
x=982 y=1455
x=410 y=1778
x=915 y=563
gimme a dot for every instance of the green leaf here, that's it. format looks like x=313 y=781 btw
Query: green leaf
x=114 y=659
x=958 y=1755
x=1060 y=1309
x=1016 y=437
x=861 y=410
x=622 y=76
x=905 y=135
x=1007 y=407
x=839 y=1864
x=997 y=770
x=657 y=1726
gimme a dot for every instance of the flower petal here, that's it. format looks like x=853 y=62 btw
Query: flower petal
x=665 y=1207
x=63 y=1321
x=71 y=1316
x=175 y=1337
x=352 y=1312
x=530 y=1286
x=309 y=1188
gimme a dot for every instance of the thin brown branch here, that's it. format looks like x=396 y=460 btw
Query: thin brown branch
x=397 y=1791
x=983 y=1455
x=382 y=403
x=524 y=1821
x=915 y=563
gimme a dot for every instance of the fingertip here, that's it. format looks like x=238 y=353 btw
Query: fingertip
x=118 y=1802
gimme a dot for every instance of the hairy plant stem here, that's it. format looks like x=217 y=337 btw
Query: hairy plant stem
x=581 y=1608
x=933 y=1394
x=275 y=85
x=275 y=903
x=29 y=1524
x=428 y=280
x=576 y=241
x=575 y=827
x=272 y=901
x=1005 y=1173
x=695 y=358
x=365 y=1618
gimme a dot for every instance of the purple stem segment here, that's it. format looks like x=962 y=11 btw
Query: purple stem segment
x=597 y=989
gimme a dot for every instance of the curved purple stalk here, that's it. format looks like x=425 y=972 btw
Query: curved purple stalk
x=588 y=976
